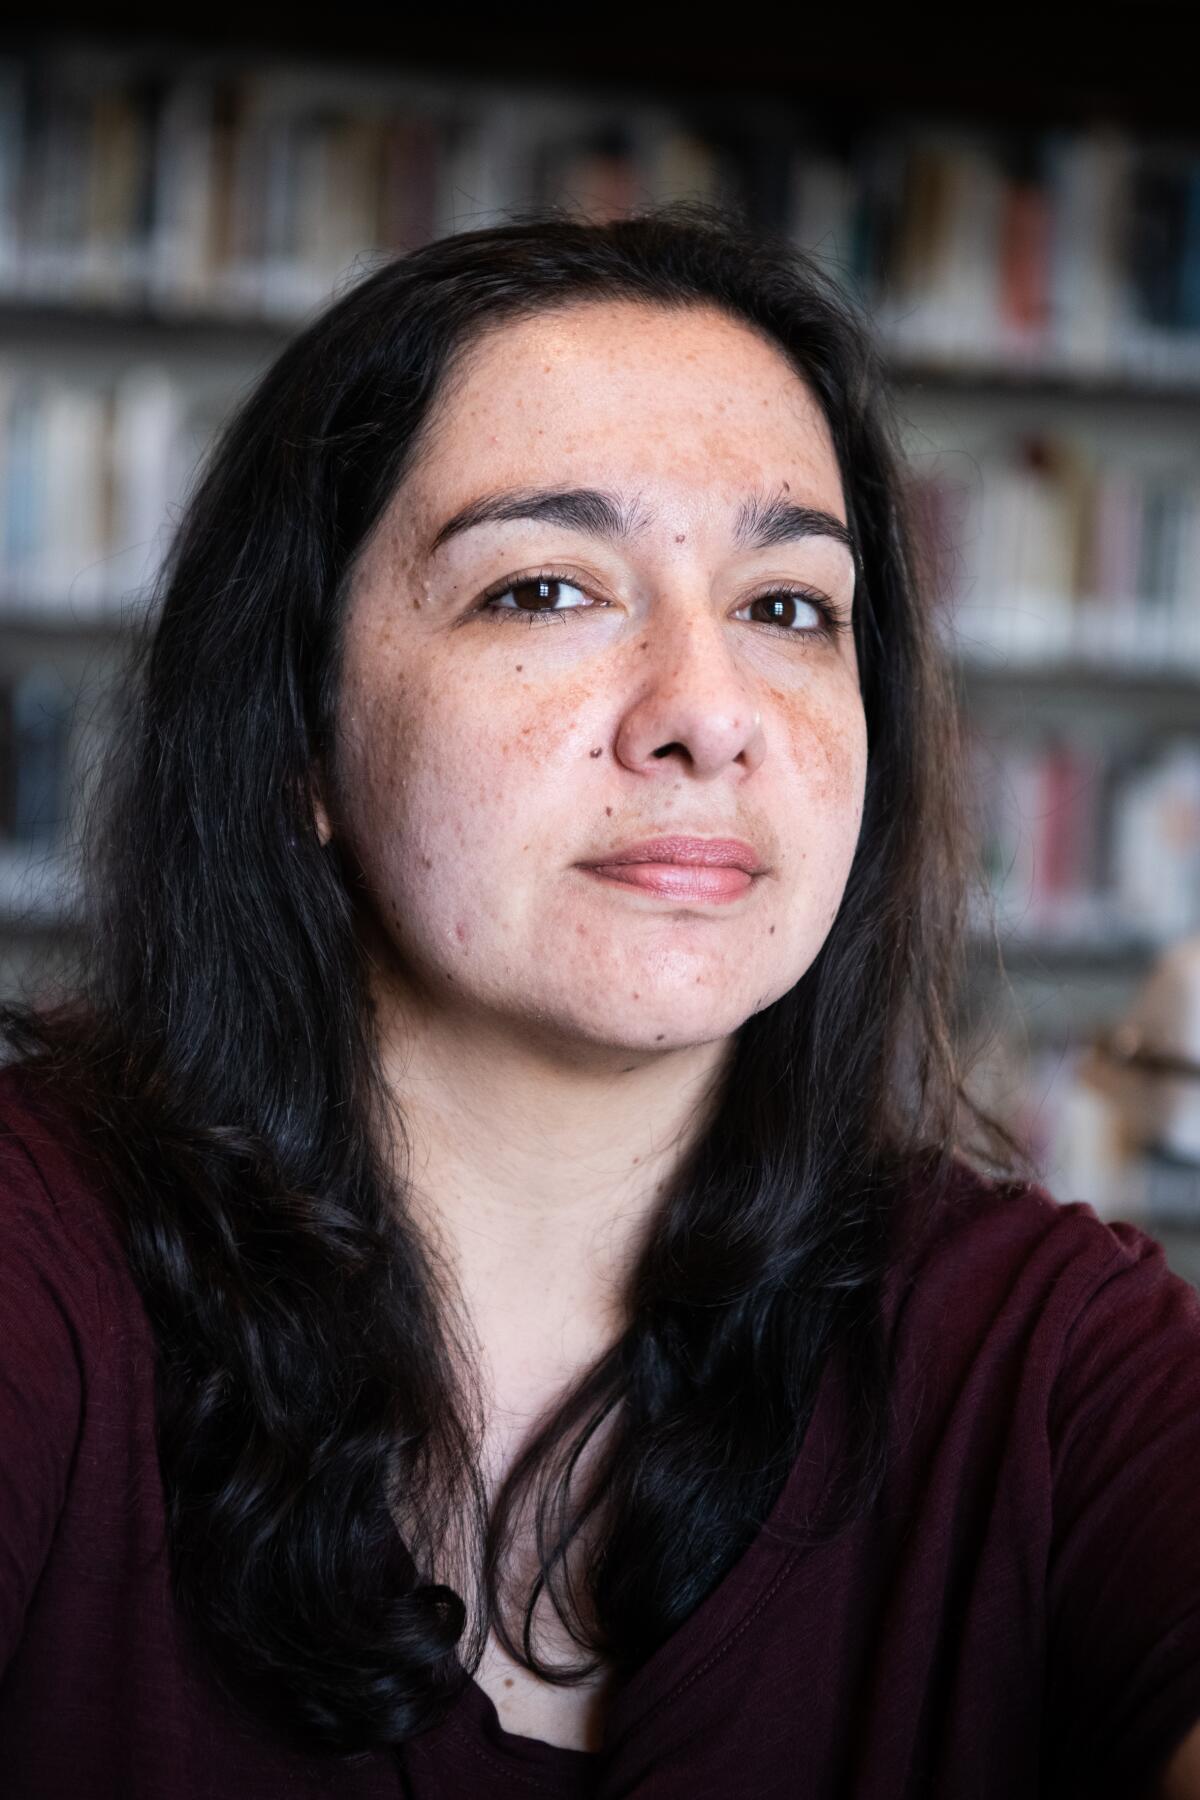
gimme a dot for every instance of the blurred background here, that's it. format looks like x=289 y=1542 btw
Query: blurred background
x=1021 y=217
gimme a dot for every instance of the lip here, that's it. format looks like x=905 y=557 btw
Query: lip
x=685 y=883
x=688 y=852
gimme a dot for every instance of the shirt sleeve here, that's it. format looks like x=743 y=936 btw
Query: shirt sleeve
x=41 y=1381
x=1124 y=1577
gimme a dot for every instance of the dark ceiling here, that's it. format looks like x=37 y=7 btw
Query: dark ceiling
x=1130 y=61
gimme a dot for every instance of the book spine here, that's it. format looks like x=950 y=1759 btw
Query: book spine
x=41 y=712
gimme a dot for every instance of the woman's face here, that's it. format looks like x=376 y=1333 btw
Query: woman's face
x=657 y=681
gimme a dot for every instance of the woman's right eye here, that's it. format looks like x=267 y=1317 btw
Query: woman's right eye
x=534 y=597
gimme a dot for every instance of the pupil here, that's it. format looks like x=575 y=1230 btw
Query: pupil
x=540 y=589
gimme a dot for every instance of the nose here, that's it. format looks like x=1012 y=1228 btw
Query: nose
x=692 y=702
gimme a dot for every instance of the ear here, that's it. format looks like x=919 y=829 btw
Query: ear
x=317 y=801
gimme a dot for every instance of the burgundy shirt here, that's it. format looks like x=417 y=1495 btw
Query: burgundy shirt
x=1019 y=1616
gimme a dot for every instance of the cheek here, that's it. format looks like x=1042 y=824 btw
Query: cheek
x=531 y=734
x=828 y=765
x=829 y=754
x=448 y=773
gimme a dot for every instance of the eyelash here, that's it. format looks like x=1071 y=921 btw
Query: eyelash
x=832 y=625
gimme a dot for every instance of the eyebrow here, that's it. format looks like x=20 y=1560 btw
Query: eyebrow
x=760 y=523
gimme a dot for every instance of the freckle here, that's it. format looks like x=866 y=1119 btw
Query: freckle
x=645 y=643
x=771 y=933
x=608 y=812
x=520 y=666
x=660 y=1037
x=682 y=535
x=428 y=861
x=508 y=1681
x=524 y=846
x=598 y=751
x=637 y=1159
x=416 y=601
x=637 y=996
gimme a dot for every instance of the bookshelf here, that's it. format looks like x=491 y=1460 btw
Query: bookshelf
x=169 y=213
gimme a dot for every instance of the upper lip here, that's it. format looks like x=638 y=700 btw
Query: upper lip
x=721 y=853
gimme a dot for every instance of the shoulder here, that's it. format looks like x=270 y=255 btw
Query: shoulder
x=998 y=1285
x=59 y=1246
x=76 y=1382
x=981 y=1243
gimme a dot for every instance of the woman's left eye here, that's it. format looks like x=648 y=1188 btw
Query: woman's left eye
x=784 y=606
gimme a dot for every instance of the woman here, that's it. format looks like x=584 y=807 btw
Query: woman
x=503 y=1299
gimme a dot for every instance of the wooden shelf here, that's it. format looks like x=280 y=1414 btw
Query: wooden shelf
x=1085 y=675
x=260 y=333
x=1116 y=952
x=1051 y=380
x=117 y=319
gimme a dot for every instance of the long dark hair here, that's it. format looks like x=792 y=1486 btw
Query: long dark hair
x=216 y=1036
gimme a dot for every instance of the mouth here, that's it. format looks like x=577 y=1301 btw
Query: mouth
x=686 y=852
x=682 y=868
x=675 y=881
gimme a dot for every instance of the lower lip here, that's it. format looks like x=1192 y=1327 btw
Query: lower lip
x=676 y=881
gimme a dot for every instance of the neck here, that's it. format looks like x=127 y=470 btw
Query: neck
x=536 y=1168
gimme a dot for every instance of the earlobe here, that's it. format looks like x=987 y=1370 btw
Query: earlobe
x=320 y=813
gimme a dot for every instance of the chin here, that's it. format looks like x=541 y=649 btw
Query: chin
x=653 y=1029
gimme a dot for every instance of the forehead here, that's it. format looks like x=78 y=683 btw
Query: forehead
x=617 y=391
